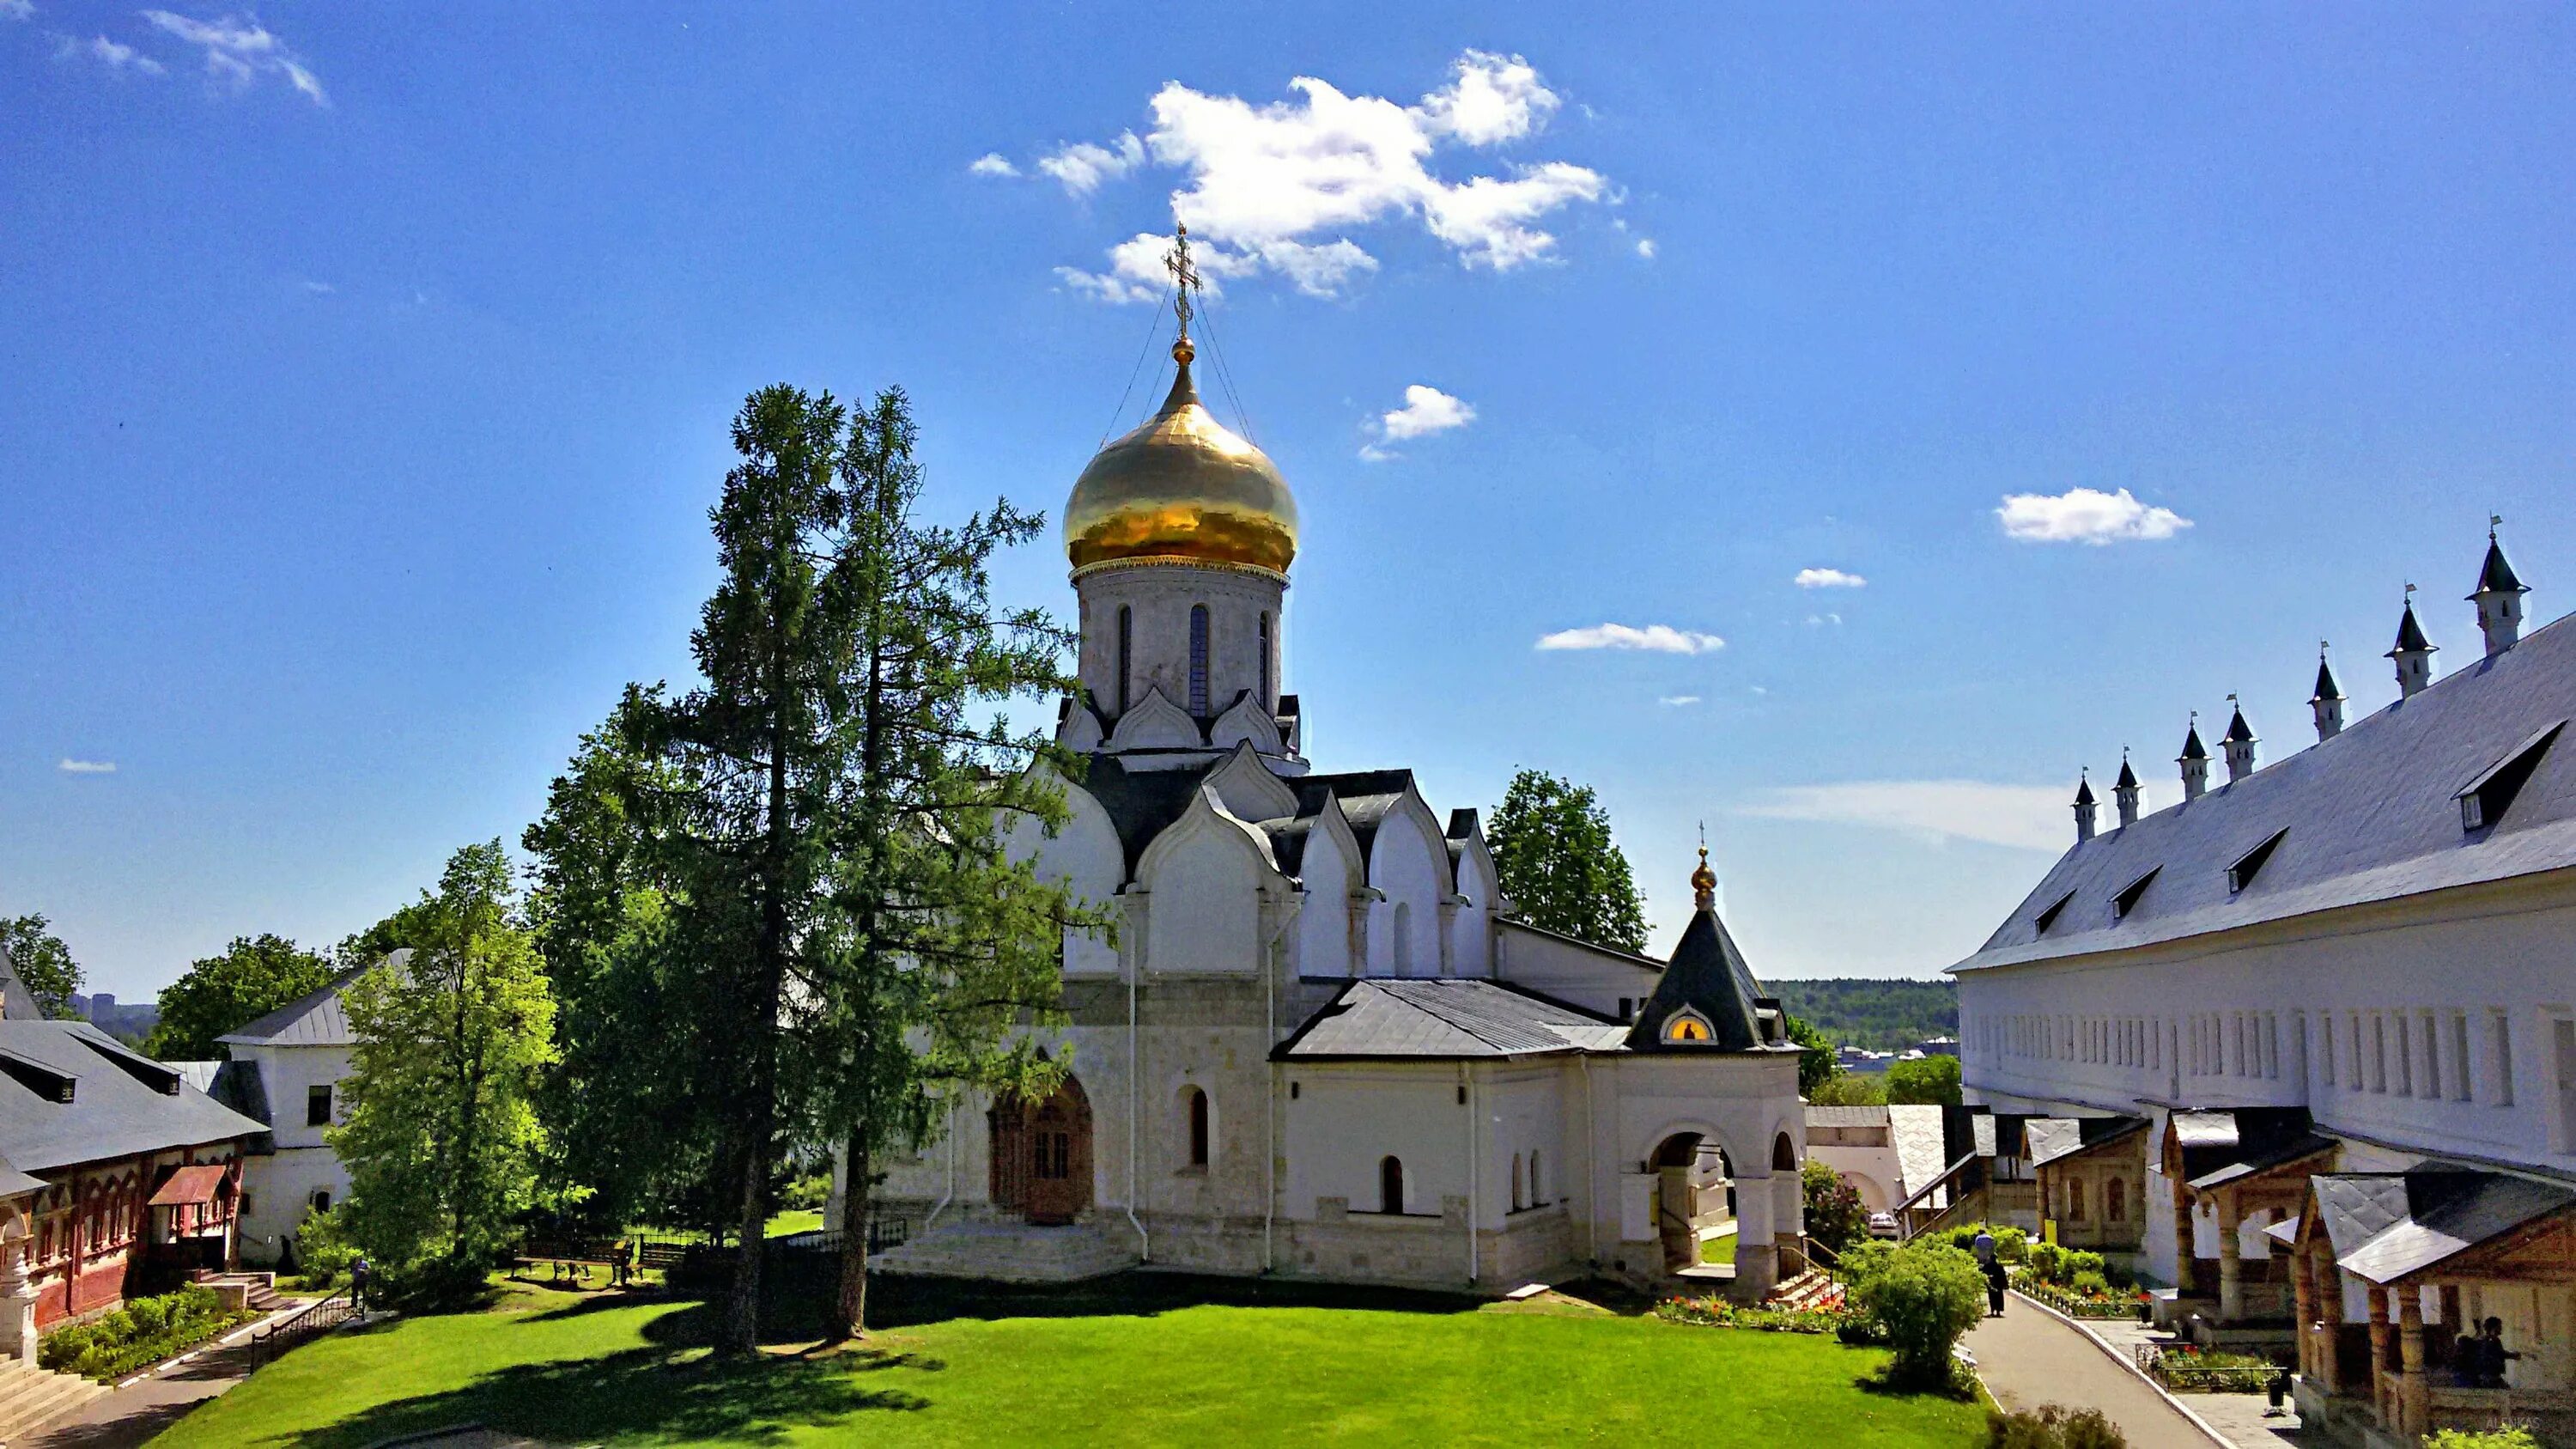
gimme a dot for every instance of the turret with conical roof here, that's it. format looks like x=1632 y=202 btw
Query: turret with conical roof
x=2086 y=811
x=2124 y=791
x=2238 y=745
x=2327 y=702
x=2499 y=598
x=2194 y=760
x=2414 y=653
x=1708 y=999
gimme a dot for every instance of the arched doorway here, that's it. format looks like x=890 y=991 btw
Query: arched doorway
x=1041 y=1157
x=1676 y=1164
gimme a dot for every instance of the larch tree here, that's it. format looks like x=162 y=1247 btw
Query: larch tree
x=951 y=944
x=1558 y=865
x=442 y=1136
x=44 y=964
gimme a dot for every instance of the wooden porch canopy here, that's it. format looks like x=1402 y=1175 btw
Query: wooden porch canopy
x=2405 y=1229
x=191 y=1186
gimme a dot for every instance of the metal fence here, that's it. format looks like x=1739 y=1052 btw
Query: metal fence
x=316 y=1318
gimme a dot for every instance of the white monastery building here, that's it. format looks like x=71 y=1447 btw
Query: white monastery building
x=1320 y=1046
x=2304 y=1043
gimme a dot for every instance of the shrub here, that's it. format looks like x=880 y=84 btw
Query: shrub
x=2091 y=1285
x=1713 y=1312
x=2511 y=1436
x=1926 y=1297
x=806 y=1194
x=1865 y=1259
x=2048 y=1262
x=325 y=1248
x=2052 y=1426
x=143 y=1332
x=1835 y=1216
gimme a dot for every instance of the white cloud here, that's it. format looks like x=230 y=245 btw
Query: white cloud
x=110 y=54
x=2085 y=515
x=1646 y=247
x=1372 y=453
x=320 y=289
x=1818 y=621
x=1082 y=166
x=1653 y=638
x=1426 y=410
x=70 y=766
x=1678 y=700
x=17 y=9
x=1828 y=579
x=2025 y=817
x=1272 y=188
x=239 y=49
x=992 y=163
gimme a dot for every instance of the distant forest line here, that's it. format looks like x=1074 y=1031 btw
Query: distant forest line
x=1878 y=1014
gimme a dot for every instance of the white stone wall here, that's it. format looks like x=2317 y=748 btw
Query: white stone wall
x=1409 y=866
x=1160 y=596
x=280 y=1187
x=1594 y=979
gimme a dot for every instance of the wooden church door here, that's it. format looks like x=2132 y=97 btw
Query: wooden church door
x=1041 y=1158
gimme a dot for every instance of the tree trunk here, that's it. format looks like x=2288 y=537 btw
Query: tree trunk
x=739 y=1333
x=849 y=1312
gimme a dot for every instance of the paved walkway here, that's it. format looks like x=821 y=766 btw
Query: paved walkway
x=2240 y=1417
x=131 y=1415
x=2029 y=1358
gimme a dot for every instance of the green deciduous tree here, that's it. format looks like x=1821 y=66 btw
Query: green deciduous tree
x=1834 y=1213
x=1924 y=1296
x=1816 y=1064
x=44 y=964
x=1933 y=1080
x=442 y=1135
x=1849 y=1089
x=1558 y=865
x=254 y=976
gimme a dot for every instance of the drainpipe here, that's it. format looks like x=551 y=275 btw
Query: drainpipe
x=1467 y=1072
x=951 y=1193
x=1135 y=1080
x=1270 y=1112
x=1591 y=1168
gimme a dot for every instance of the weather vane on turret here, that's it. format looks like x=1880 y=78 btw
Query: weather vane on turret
x=1185 y=280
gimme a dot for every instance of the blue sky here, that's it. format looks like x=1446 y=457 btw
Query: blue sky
x=369 y=370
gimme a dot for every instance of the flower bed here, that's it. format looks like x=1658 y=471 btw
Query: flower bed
x=143 y=1332
x=2072 y=1303
x=1713 y=1312
x=2188 y=1370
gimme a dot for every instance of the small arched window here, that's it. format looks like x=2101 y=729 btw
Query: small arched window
x=1269 y=666
x=1784 y=1154
x=1390 y=1186
x=1198 y=1109
x=1536 y=1195
x=1518 y=1201
x=2115 y=1201
x=1403 y=952
x=2075 y=1201
x=1126 y=653
x=1687 y=1026
x=1198 y=659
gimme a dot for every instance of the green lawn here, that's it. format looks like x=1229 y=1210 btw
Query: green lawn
x=1719 y=1249
x=1185 y=1362
x=796 y=1220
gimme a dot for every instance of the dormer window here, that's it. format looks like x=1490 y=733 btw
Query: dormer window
x=2048 y=918
x=2127 y=900
x=2487 y=797
x=1688 y=1028
x=2241 y=874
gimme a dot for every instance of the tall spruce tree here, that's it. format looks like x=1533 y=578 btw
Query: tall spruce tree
x=1556 y=862
x=952 y=945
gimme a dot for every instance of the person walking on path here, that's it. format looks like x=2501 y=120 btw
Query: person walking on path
x=1995 y=1282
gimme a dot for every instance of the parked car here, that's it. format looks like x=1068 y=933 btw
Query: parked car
x=1882 y=1225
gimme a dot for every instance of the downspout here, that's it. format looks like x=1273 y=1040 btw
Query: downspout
x=1270 y=1039
x=1135 y=1080
x=1467 y=1072
x=1591 y=1167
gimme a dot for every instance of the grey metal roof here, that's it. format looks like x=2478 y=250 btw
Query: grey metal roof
x=2497 y=576
x=14 y=1183
x=200 y=1075
x=2276 y=1155
x=1916 y=1128
x=1846 y=1116
x=113 y=1111
x=313 y=1019
x=2372 y=815
x=2386 y=1226
x=1381 y=1018
x=1140 y=803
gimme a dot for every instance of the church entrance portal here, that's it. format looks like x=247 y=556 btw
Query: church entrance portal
x=1041 y=1157
x=1688 y=1169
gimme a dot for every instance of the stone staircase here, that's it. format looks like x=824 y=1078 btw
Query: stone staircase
x=31 y=1398
x=1811 y=1289
x=1011 y=1252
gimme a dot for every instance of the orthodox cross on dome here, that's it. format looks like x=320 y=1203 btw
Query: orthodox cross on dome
x=1185 y=280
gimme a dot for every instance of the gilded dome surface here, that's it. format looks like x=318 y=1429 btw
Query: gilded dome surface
x=1184 y=487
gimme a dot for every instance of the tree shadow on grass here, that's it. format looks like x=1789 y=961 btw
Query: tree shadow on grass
x=646 y=1392
x=795 y=1308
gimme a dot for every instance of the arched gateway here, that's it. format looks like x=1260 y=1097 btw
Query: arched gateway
x=1041 y=1158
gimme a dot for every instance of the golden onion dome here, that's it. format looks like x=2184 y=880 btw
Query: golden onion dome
x=1181 y=487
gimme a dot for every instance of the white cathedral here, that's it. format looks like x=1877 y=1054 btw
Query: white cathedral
x=1321 y=1047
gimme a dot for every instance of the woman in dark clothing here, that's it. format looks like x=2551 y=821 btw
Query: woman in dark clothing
x=1994 y=1289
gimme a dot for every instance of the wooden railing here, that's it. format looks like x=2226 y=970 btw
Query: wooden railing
x=314 y=1318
